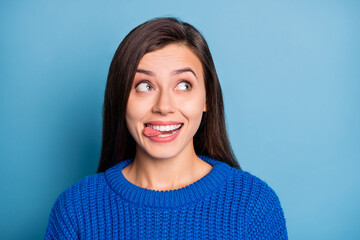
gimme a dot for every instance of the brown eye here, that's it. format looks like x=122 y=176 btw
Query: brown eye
x=184 y=86
x=144 y=87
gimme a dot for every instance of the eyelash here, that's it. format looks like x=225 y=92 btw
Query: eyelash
x=185 y=81
x=146 y=81
x=142 y=81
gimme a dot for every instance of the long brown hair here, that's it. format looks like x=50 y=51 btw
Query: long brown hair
x=117 y=144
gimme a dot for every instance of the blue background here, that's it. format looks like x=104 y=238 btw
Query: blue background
x=290 y=72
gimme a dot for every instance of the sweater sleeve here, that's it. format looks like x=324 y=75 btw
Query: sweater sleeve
x=61 y=224
x=267 y=219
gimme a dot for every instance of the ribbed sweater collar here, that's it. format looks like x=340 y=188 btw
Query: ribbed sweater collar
x=168 y=198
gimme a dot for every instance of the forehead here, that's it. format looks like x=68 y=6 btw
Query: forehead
x=170 y=57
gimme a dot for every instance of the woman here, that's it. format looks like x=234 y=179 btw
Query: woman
x=166 y=169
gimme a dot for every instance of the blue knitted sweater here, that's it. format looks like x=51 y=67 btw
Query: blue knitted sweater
x=227 y=203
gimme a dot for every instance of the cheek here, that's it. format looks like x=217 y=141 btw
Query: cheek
x=193 y=109
x=135 y=112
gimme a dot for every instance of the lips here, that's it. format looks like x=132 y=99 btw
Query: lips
x=161 y=131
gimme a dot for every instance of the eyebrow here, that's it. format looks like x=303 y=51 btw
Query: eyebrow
x=150 y=73
x=175 y=72
x=179 y=71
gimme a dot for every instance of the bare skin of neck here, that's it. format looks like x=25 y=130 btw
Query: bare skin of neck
x=165 y=174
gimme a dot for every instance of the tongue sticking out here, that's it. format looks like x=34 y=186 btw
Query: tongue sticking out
x=148 y=131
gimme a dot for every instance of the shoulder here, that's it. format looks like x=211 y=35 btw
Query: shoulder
x=253 y=186
x=261 y=206
x=256 y=192
x=82 y=189
x=74 y=197
x=69 y=205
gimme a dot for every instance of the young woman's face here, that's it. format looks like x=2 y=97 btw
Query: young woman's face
x=166 y=101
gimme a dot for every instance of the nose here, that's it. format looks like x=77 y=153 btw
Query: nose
x=164 y=103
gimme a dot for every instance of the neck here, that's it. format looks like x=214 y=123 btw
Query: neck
x=166 y=173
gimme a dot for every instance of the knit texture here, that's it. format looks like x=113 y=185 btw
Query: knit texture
x=227 y=203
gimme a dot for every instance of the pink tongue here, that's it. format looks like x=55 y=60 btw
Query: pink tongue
x=148 y=131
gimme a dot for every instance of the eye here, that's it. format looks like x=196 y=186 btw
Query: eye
x=143 y=87
x=184 y=86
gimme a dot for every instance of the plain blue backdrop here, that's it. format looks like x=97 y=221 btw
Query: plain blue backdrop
x=290 y=73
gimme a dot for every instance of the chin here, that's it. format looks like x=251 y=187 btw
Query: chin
x=162 y=154
x=162 y=151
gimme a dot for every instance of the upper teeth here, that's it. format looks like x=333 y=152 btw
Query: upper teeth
x=165 y=128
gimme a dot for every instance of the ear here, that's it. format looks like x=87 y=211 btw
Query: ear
x=205 y=108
